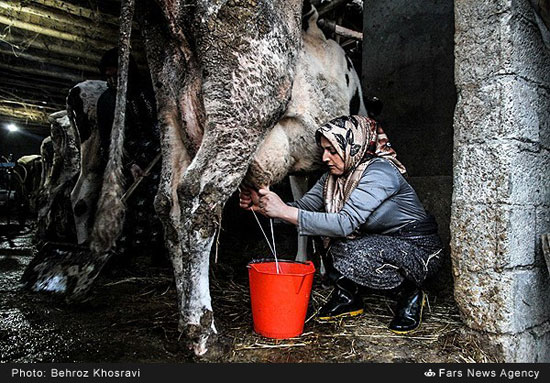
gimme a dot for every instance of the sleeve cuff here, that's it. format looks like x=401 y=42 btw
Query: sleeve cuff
x=300 y=223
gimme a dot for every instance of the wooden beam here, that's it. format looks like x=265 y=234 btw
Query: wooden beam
x=339 y=30
x=48 y=44
x=85 y=52
x=34 y=84
x=79 y=11
x=19 y=44
x=39 y=79
x=95 y=29
x=9 y=91
x=17 y=8
x=29 y=116
x=43 y=72
x=86 y=30
x=48 y=60
x=21 y=33
x=53 y=33
x=28 y=105
x=23 y=113
x=38 y=98
x=22 y=65
x=21 y=41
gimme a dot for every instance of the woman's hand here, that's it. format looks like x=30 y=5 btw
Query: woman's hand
x=271 y=205
x=268 y=203
x=249 y=199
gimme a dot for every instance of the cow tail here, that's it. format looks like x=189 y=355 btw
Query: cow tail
x=110 y=208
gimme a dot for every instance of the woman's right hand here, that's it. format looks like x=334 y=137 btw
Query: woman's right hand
x=267 y=203
x=249 y=199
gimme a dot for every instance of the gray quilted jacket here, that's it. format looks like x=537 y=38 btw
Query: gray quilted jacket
x=382 y=202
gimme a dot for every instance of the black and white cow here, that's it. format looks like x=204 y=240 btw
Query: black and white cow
x=27 y=172
x=46 y=152
x=82 y=112
x=62 y=159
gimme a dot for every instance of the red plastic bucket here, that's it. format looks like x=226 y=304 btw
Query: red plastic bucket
x=279 y=300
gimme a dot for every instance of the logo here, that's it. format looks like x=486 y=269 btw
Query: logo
x=429 y=373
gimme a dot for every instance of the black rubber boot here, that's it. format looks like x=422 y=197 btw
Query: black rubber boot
x=344 y=301
x=408 y=313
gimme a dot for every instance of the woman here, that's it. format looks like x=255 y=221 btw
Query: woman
x=376 y=232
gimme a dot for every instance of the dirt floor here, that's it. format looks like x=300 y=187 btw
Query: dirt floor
x=131 y=316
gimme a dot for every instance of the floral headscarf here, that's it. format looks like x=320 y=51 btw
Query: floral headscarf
x=358 y=140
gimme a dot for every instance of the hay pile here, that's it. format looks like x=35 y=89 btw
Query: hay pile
x=441 y=338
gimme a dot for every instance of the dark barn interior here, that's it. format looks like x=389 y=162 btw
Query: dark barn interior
x=404 y=54
x=48 y=47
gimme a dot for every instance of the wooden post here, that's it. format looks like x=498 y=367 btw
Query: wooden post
x=339 y=30
x=110 y=208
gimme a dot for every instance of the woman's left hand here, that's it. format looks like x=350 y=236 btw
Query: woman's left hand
x=271 y=205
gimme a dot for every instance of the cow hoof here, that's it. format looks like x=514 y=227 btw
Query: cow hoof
x=200 y=336
x=215 y=349
x=200 y=348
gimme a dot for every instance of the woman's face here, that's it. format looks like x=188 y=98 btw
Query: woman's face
x=331 y=158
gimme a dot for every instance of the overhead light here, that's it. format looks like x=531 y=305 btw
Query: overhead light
x=12 y=128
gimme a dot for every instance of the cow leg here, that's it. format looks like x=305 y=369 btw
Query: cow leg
x=298 y=186
x=174 y=162
x=84 y=200
x=177 y=80
x=247 y=75
x=214 y=174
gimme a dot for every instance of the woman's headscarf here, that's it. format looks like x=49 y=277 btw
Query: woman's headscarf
x=358 y=140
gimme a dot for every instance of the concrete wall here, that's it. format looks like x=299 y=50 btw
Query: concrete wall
x=408 y=64
x=501 y=197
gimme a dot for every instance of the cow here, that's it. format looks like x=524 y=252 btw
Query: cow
x=84 y=102
x=46 y=152
x=28 y=171
x=62 y=156
x=82 y=114
x=221 y=87
x=68 y=188
x=245 y=77
x=223 y=75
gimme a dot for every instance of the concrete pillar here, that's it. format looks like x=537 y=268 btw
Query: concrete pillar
x=501 y=195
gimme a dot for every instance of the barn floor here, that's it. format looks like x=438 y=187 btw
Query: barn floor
x=131 y=317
